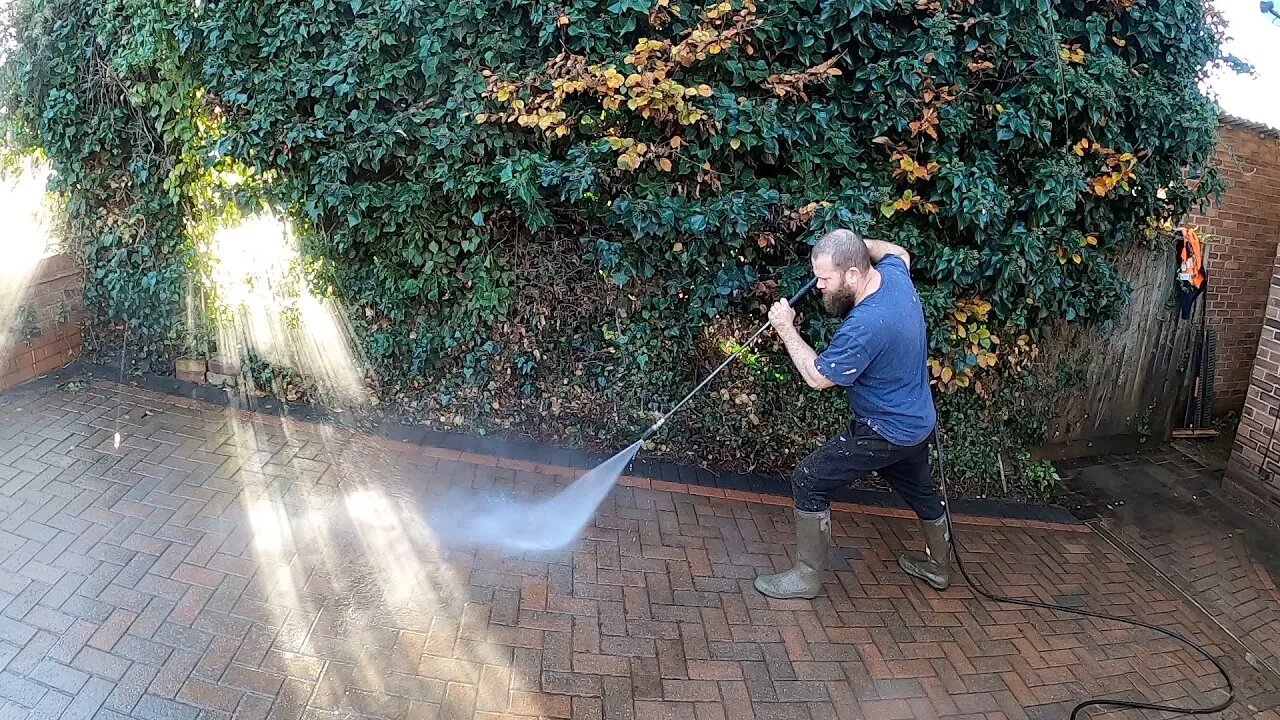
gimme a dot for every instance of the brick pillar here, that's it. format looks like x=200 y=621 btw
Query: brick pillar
x=1254 y=468
x=55 y=298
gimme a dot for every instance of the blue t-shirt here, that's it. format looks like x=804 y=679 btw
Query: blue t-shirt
x=880 y=355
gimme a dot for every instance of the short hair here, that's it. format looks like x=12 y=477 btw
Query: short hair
x=846 y=248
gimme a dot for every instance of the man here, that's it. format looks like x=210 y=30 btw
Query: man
x=880 y=357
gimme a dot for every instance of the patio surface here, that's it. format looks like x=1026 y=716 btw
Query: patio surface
x=222 y=564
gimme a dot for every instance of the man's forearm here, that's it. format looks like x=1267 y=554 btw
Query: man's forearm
x=802 y=356
x=879 y=250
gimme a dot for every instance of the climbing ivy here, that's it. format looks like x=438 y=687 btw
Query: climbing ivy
x=551 y=217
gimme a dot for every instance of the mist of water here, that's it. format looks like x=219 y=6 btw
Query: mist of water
x=508 y=523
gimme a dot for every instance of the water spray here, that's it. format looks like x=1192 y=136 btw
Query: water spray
x=554 y=522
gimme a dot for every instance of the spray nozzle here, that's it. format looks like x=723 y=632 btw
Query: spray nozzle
x=653 y=429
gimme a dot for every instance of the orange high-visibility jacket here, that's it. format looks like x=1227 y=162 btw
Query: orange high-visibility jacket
x=1193 y=276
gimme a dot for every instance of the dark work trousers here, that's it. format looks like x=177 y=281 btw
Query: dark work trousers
x=857 y=452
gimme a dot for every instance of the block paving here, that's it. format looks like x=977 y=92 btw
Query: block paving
x=213 y=563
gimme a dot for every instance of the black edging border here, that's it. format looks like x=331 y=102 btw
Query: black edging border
x=527 y=450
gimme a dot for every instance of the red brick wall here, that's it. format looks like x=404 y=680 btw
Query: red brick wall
x=55 y=291
x=1254 y=468
x=1242 y=232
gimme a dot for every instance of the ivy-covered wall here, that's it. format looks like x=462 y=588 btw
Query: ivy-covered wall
x=551 y=217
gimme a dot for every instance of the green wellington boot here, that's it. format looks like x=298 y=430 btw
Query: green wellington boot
x=934 y=567
x=813 y=533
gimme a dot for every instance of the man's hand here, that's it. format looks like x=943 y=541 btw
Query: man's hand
x=782 y=315
x=783 y=319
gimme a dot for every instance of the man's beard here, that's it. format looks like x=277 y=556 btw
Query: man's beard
x=839 y=302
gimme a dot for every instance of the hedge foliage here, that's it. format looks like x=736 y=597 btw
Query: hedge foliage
x=551 y=217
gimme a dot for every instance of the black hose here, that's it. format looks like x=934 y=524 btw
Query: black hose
x=1098 y=702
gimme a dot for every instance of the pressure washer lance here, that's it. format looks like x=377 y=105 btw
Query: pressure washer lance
x=977 y=586
x=653 y=429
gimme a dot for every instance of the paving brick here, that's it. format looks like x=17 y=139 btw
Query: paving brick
x=107 y=665
x=150 y=707
x=21 y=690
x=208 y=695
x=112 y=629
x=130 y=688
x=86 y=703
x=50 y=707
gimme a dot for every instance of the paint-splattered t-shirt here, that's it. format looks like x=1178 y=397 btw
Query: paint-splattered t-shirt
x=880 y=356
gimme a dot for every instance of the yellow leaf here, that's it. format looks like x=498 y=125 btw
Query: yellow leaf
x=481 y=117
x=960 y=315
x=735 y=143
x=1162 y=194
x=1091 y=240
x=665 y=164
x=676 y=141
x=947 y=374
x=704 y=90
x=678 y=247
x=1081 y=146
x=1119 y=41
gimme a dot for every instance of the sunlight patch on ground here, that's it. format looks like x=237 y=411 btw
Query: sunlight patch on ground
x=344 y=554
